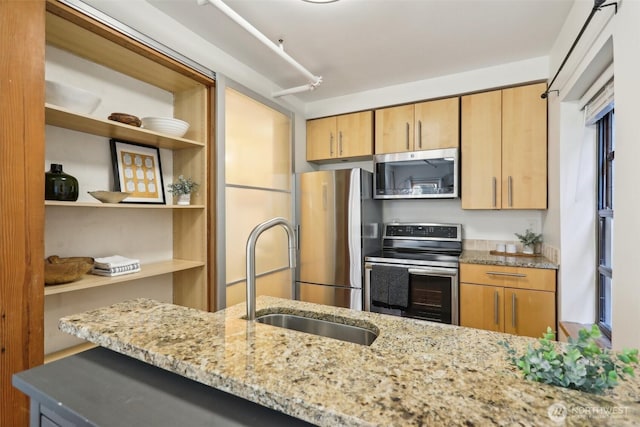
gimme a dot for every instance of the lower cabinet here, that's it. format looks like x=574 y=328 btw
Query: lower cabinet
x=516 y=300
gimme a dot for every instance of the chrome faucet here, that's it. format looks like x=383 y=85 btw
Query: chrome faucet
x=251 y=258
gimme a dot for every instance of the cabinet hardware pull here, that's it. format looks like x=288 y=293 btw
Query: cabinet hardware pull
x=495 y=202
x=331 y=144
x=340 y=142
x=419 y=133
x=510 y=183
x=495 y=308
x=407 y=135
x=513 y=310
x=500 y=273
x=433 y=271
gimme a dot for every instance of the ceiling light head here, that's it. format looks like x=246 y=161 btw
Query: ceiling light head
x=320 y=1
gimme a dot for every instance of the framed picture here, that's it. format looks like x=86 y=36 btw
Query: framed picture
x=137 y=170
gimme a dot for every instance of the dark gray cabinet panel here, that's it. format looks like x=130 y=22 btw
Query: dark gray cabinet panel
x=102 y=388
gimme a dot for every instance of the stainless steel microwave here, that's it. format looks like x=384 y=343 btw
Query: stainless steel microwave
x=417 y=174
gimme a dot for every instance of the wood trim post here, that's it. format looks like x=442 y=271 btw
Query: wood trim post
x=22 y=42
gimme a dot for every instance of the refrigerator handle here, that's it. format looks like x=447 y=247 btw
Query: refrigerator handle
x=298 y=237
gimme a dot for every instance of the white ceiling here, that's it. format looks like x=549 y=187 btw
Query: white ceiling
x=357 y=45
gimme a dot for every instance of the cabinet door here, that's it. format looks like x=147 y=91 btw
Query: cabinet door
x=355 y=134
x=481 y=150
x=321 y=139
x=482 y=307
x=529 y=312
x=524 y=148
x=394 y=129
x=437 y=124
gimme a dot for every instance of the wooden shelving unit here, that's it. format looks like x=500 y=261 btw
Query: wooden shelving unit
x=52 y=357
x=146 y=270
x=188 y=234
x=61 y=117
x=117 y=205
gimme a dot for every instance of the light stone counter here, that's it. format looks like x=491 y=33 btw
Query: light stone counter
x=486 y=258
x=415 y=373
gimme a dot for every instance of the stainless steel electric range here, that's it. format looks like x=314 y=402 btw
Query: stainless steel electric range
x=416 y=272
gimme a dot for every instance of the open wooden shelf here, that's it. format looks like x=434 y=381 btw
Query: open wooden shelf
x=51 y=357
x=61 y=117
x=147 y=270
x=118 y=205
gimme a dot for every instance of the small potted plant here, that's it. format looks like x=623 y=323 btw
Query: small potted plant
x=183 y=189
x=529 y=241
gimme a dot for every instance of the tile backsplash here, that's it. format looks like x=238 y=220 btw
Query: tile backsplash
x=550 y=252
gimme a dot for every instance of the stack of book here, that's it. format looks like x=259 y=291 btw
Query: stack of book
x=115 y=265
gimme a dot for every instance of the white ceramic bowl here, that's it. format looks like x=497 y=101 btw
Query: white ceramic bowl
x=166 y=125
x=71 y=98
x=109 y=196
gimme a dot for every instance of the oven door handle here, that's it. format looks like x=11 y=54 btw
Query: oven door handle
x=433 y=271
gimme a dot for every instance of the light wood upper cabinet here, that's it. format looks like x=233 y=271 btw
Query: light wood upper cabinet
x=481 y=155
x=437 y=124
x=321 y=136
x=423 y=126
x=504 y=149
x=394 y=129
x=355 y=134
x=524 y=148
x=348 y=136
x=520 y=301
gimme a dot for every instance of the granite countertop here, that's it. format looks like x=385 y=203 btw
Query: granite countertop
x=486 y=258
x=414 y=373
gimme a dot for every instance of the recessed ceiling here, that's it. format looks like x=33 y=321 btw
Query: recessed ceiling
x=357 y=45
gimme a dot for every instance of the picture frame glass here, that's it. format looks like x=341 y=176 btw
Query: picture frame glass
x=137 y=170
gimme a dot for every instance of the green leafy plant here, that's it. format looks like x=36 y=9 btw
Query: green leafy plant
x=582 y=366
x=529 y=238
x=183 y=186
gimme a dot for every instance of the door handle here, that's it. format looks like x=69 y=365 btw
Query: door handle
x=513 y=310
x=500 y=273
x=433 y=271
x=331 y=144
x=495 y=308
x=510 y=192
x=340 y=142
x=407 y=135
x=495 y=185
x=419 y=133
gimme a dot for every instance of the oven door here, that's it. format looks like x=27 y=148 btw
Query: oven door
x=433 y=293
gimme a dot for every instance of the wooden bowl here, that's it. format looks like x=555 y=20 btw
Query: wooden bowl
x=128 y=119
x=64 y=270
x=109 y=196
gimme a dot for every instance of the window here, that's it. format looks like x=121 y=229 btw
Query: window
x=606 y=154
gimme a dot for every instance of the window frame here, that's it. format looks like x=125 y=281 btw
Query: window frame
x=605 y=213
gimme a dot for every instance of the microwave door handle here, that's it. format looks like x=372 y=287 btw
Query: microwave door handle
x=433 y=271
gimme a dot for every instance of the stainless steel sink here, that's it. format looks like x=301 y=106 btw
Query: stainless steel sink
x=339 y=331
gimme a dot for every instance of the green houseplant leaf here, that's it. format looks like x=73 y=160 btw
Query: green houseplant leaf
x=582 y=365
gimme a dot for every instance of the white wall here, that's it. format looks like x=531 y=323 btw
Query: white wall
x=626 y=291
x=454 y=84
x=569 y=219
x=577 y=188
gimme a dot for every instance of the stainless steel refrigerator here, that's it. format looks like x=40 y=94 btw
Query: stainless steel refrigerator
x=339 y=224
